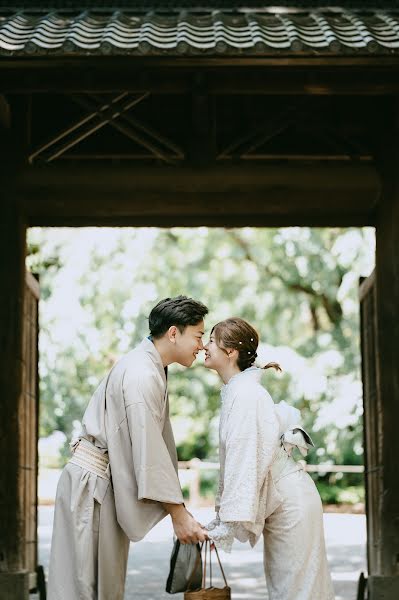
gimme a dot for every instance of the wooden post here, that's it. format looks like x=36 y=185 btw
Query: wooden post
x=371 y=415
x=29 y=409
x=13 y=578
x=384 y=569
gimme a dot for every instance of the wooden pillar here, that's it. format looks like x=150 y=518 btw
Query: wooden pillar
x=13 y=578
x=384 y=568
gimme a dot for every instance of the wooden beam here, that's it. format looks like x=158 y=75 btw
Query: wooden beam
x=99 y=115
x=227 y=178
x=276 y=75
x=271 y=126
x=173 y=151
x=216 y=196
x=74 y=132
x=115 y=119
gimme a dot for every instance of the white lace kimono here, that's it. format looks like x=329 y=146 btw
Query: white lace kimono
x=263 y=490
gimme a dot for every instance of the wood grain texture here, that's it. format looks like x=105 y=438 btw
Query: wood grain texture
x=387 y=310
x=223 y=196
x=12 y=431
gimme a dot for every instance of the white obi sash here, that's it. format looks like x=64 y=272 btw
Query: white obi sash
x=87 y=456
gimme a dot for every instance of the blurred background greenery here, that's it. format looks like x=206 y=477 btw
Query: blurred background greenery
x=297 y=286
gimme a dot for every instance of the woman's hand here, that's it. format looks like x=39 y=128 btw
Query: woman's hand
x=222 y=534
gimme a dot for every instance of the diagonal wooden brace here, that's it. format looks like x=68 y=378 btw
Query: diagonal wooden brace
x=97 y=118
x=128 y=128
x=152 y=133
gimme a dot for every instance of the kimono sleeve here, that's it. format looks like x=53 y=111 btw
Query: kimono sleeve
x=219 y=493
x=154 y=467
x=252 y=436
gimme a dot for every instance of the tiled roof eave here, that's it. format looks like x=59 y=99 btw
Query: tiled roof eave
x=215 y=33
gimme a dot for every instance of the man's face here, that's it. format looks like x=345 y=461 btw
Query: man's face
x=189 y=343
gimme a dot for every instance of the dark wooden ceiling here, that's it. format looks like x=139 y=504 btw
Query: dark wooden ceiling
x=199 y=129
x=219 y=140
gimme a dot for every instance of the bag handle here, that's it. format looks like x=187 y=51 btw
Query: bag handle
x=204 y=570
x=207 y=545
x=220 y=565
x=210 y=564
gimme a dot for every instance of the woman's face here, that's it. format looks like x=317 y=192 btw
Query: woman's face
x=215 y=357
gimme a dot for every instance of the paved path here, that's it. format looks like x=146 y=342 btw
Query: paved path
x=149 y=560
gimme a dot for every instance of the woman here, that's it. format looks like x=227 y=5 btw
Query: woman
x=262 y=489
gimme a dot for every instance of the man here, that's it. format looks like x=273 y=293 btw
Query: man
x=122 y=478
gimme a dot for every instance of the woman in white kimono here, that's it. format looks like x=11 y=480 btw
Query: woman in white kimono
x=262 y=489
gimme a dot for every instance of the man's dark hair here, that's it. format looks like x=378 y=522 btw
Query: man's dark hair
x=180 y=311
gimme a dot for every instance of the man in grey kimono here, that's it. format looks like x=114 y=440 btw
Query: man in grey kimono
x=122 y=477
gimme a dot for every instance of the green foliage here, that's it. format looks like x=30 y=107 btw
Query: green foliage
x=337 y=494
x=209 y=483
x=298 y=286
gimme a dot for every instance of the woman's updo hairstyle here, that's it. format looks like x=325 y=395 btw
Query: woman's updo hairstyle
x=237 y=334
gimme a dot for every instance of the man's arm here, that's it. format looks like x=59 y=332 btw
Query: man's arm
x=156 y=476
x=186 y=528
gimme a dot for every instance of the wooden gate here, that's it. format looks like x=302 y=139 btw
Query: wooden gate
x=29 y=425
x=372 y=419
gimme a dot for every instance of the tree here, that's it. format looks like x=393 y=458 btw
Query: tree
x=298 y=286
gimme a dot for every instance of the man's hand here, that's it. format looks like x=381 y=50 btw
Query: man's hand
x=186 y=528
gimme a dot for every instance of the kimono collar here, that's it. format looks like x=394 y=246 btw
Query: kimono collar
x=149 y=348
x=254 y=373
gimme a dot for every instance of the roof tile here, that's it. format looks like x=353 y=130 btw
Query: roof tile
x=248 y=31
